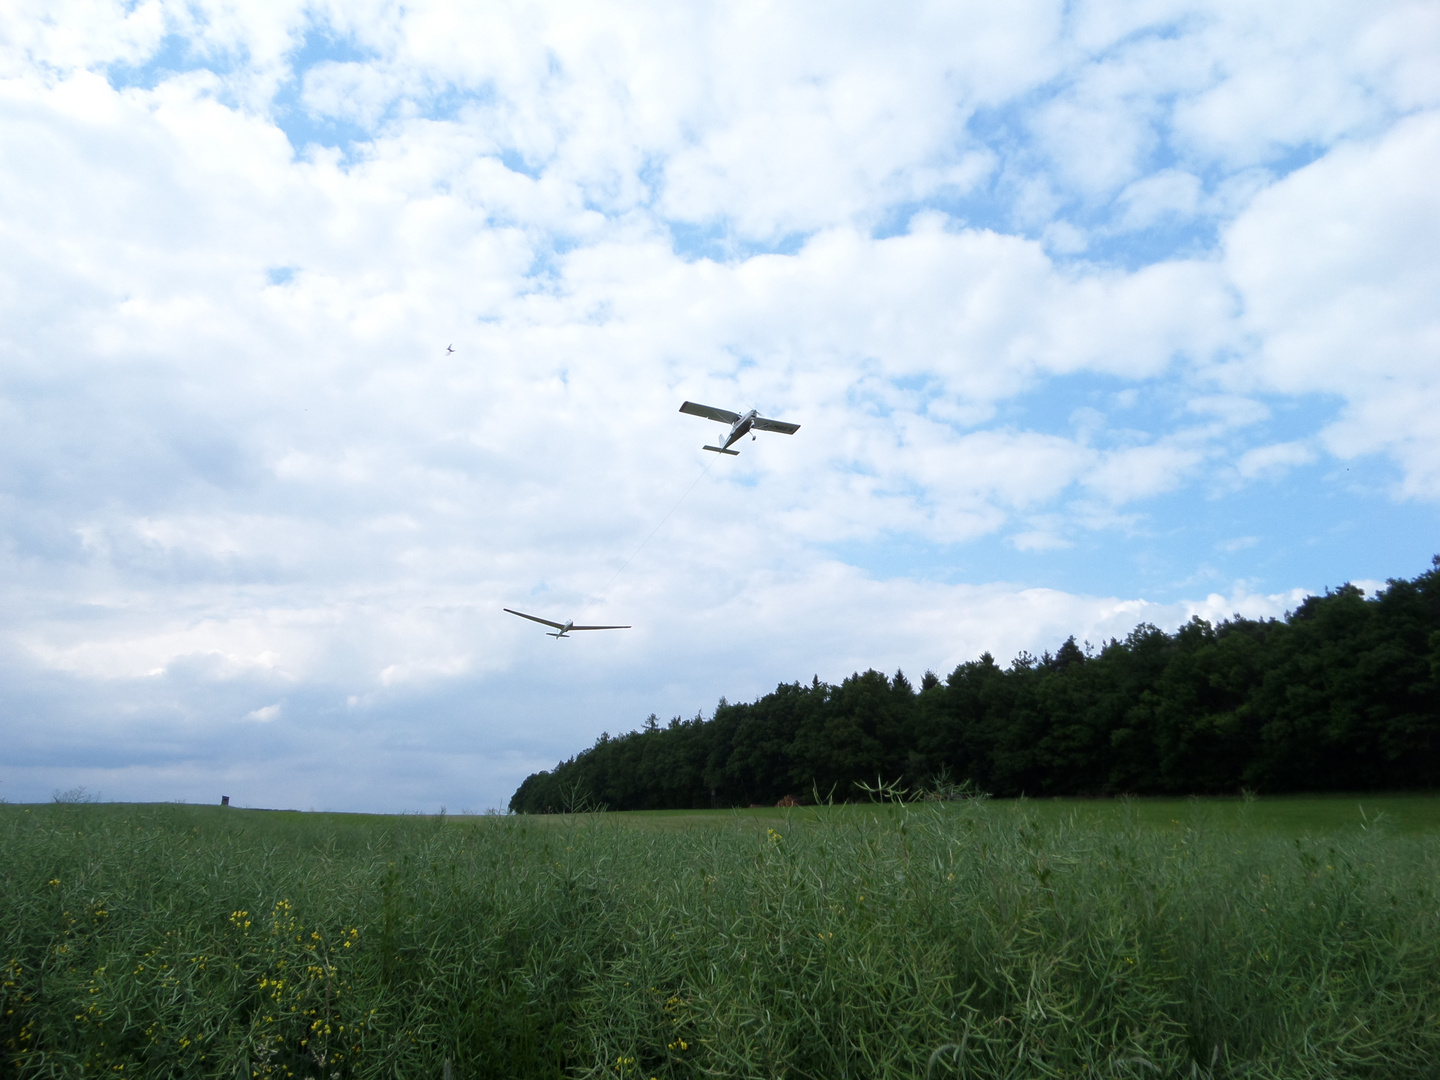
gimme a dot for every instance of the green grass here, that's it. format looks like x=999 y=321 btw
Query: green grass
x=1155 y=938
x=1284 y=815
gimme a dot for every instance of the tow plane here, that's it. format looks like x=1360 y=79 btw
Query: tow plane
x=741 y=424
x=562 y=629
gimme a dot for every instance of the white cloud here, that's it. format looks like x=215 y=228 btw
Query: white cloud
x=1229 y=410
x=1143 y=471
x=1271 y=462
x=353 y=91
x=1398 y=51
x=1165 y=193
x=1338 y=269
x=1039 y=540
x=1096 y=146
x=1065 y=239
x=1242 y=601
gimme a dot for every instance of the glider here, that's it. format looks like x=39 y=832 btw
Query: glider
x=740 y=424
x=563 y=629
x=449 y=348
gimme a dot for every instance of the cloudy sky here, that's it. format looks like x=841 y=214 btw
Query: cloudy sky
x=1091 y=314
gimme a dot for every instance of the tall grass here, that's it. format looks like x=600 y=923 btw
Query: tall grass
x=957 y=941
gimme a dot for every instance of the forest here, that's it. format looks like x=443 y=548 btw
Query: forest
x=1342 y=694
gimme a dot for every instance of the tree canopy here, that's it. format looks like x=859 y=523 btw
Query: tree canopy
x=1343 y=693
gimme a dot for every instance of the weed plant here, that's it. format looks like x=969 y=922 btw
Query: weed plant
x=959 y=940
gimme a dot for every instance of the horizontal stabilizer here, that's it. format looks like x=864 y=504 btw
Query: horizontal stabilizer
x=725 y=416
x=722 y=450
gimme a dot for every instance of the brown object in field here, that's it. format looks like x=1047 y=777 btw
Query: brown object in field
x=788 y=800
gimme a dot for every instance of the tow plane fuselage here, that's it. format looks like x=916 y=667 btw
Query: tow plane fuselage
x=738 y=430
x=741 y=424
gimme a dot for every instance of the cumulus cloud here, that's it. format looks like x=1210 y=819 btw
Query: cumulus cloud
x=1338 y=271
x=1152 y=198
x=1273 y=461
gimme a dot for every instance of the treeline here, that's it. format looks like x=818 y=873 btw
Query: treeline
x=1341 y=694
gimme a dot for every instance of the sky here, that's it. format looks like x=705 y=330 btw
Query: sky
x=1092 y=314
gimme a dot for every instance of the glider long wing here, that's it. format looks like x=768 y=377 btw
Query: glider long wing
x=725 y=416
x=761 y=424
x=536 y=618
x=599 y=628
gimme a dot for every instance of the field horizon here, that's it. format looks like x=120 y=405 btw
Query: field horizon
x=1292 y=813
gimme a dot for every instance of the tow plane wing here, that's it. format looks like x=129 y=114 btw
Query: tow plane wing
x=724 y=416
x=761 y=424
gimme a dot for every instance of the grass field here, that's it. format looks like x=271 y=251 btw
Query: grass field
x=1144 y=938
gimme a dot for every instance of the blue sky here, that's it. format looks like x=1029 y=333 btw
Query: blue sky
x=1091 y=314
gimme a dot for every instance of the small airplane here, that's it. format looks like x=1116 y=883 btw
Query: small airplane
x=563 y=629
x=449 y=349
x=740 y=425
